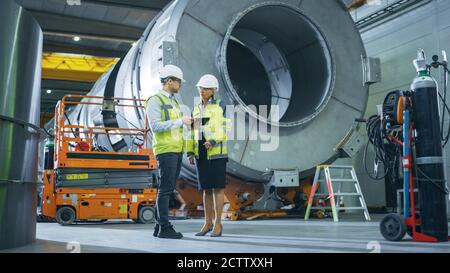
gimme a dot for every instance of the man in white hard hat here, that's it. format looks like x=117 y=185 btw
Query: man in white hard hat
x=166 y=124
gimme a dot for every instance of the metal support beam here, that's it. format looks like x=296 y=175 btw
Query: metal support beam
x=156 y=5
x=66 y=85
x=389 y=10
x=58 y=66
x=89 y=37
x=59 y=23
x=72 y=48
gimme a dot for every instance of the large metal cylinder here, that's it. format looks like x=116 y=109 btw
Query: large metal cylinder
x=20 y=79
x=302 y=56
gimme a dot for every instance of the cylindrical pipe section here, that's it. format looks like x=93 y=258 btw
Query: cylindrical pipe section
x=288 y=55
x=20 y=78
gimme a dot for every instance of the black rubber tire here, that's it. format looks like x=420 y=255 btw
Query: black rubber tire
x=66 y=216
x=146 y=215
x=393 y=227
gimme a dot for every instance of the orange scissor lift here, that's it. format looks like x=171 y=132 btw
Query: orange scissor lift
x=87 y=183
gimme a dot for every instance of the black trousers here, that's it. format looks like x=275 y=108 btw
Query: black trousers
x=211 y=174
x=169 y=171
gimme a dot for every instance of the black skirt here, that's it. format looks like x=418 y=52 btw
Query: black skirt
x=211 y=174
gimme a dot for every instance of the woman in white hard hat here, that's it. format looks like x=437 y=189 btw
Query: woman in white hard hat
x=208 y=150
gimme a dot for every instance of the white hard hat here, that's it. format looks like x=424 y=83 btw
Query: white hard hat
x=208 y=81
x=171 y=71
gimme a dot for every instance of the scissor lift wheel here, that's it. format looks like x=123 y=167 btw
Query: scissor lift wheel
x=146 y=215
x=65 y=216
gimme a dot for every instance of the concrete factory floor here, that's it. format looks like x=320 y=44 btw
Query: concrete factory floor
x=267 y=236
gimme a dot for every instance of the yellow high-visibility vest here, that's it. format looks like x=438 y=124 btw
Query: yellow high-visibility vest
x=168 y=141
x=215 y=131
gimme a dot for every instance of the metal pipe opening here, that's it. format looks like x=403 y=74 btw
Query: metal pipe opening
x=274 y=55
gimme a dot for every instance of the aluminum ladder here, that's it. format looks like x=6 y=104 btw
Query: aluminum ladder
x=335 y=204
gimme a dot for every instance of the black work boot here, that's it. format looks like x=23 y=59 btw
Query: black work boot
x=155 y=233
x=167 y=232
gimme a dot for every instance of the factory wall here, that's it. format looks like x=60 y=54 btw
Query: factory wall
x=396 y=43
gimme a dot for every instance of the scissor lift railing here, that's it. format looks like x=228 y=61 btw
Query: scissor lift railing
x=68 y=137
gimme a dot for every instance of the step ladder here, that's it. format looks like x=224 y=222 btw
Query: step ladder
x=323 y=174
